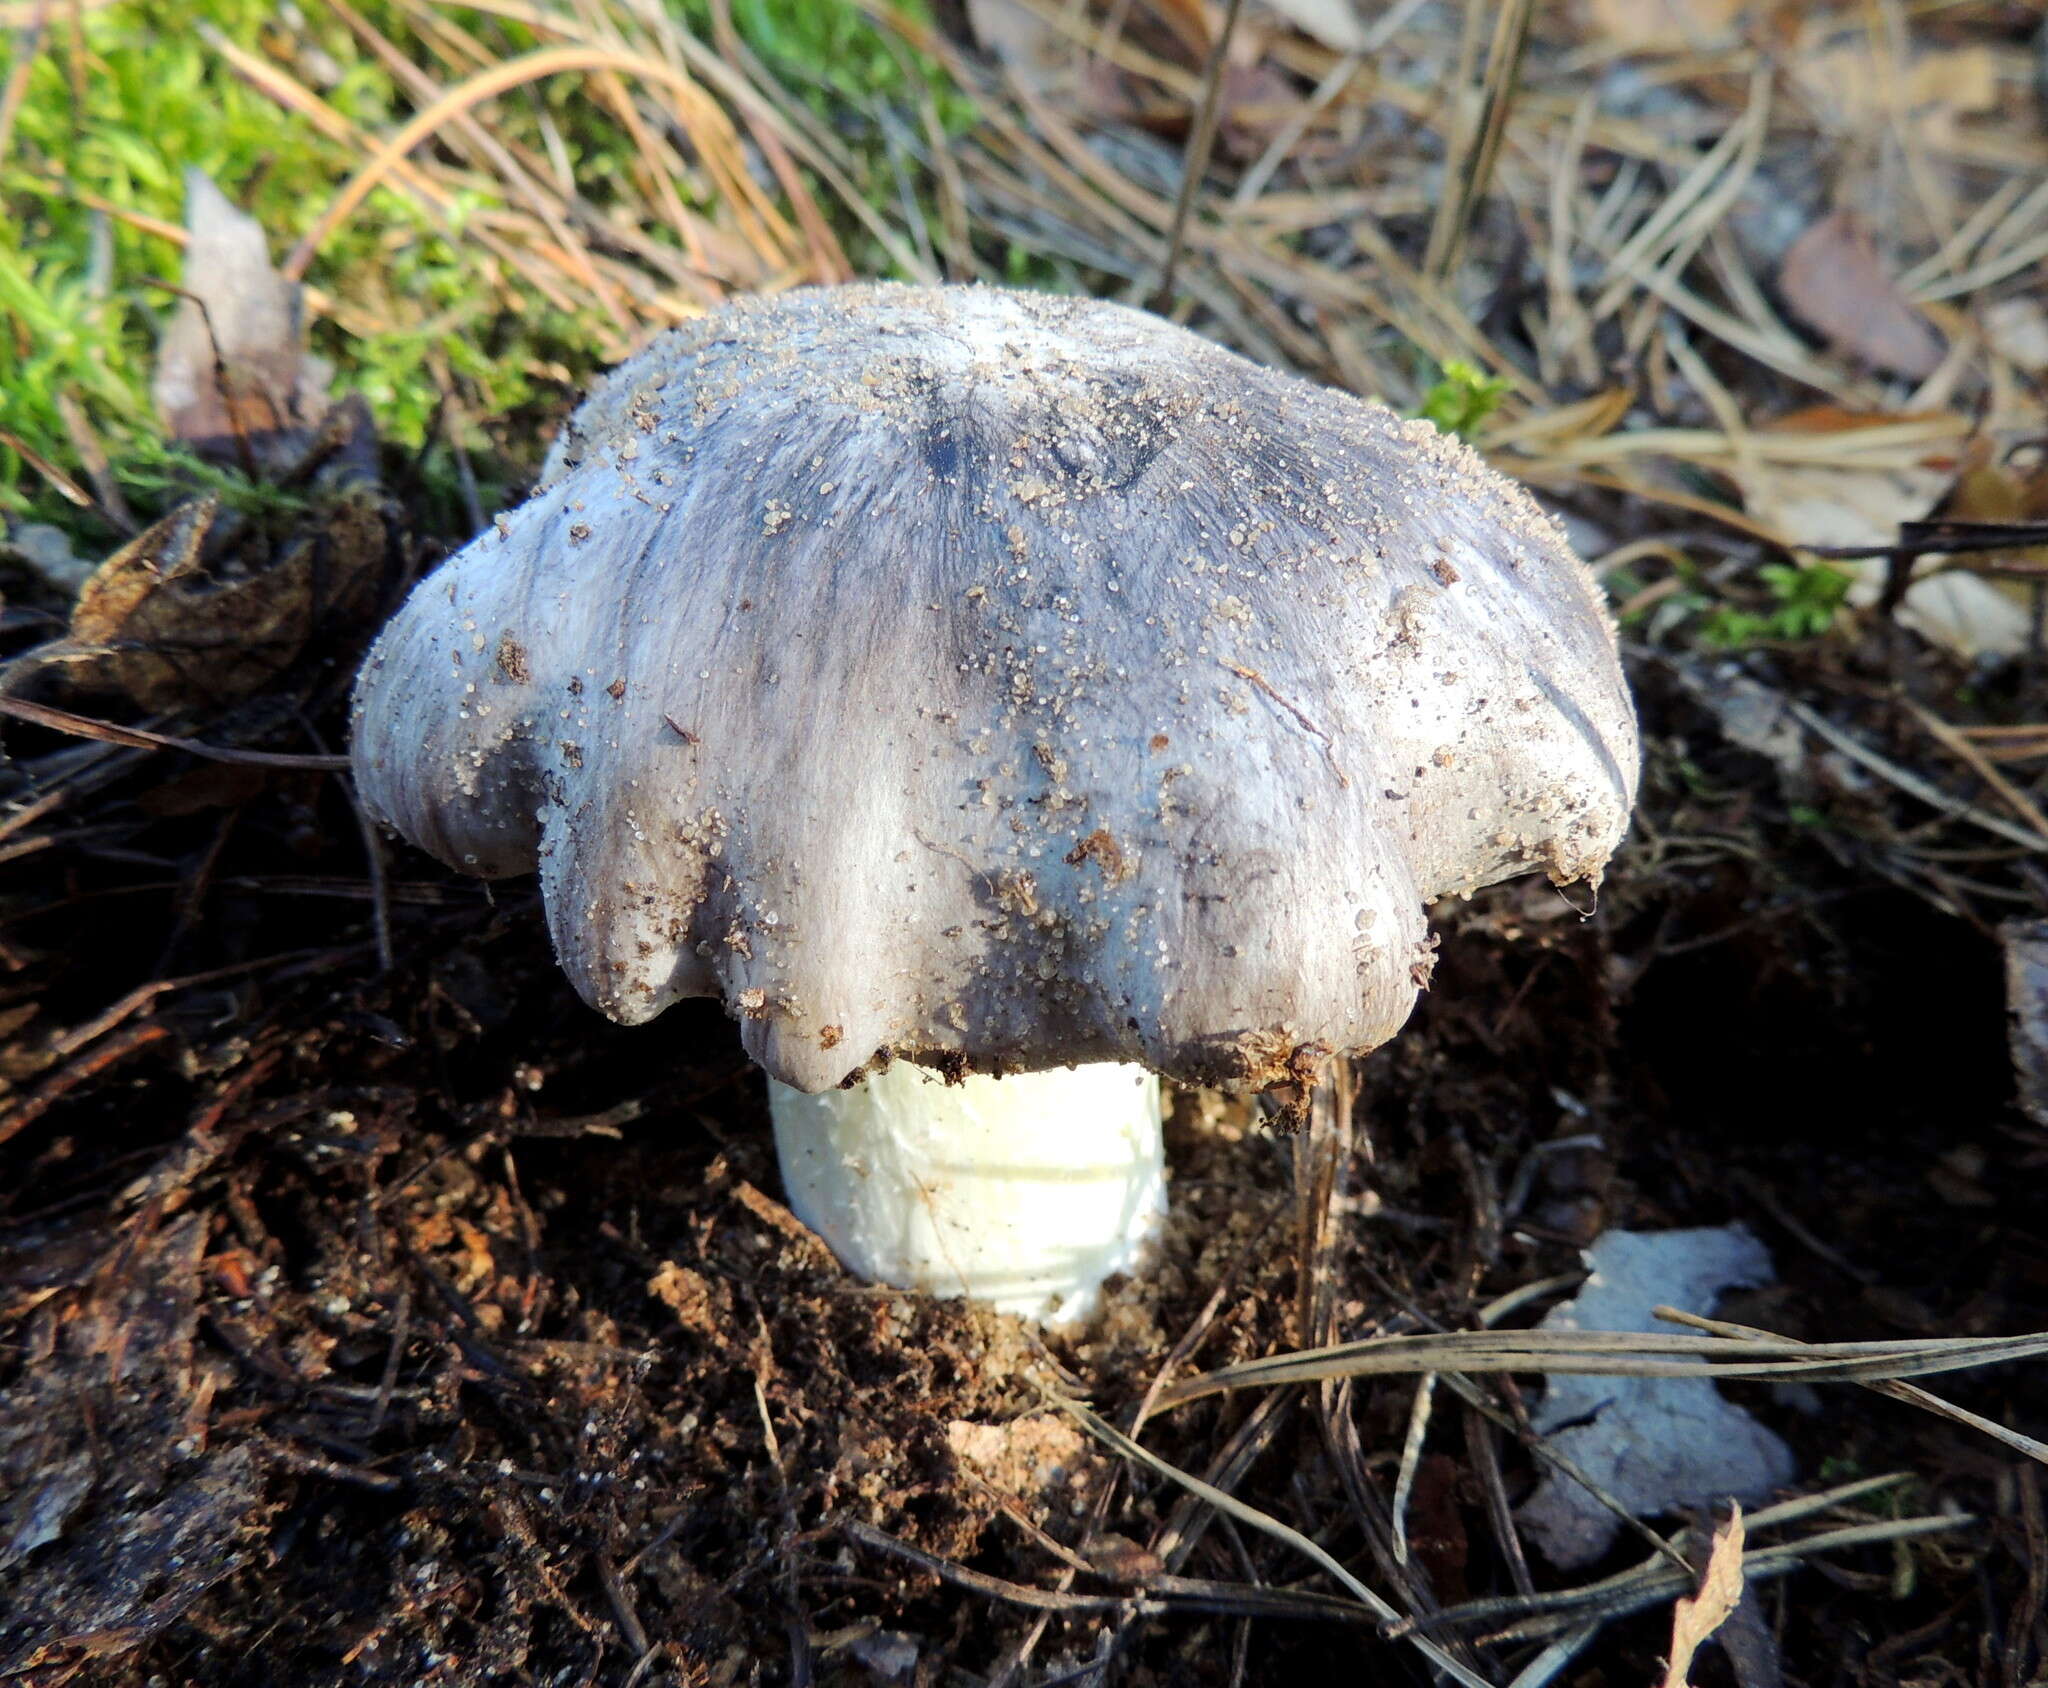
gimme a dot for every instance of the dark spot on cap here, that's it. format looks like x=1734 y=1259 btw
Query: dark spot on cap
x=512 y=663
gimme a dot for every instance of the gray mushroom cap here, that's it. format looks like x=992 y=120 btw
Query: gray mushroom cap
x=1002 y=681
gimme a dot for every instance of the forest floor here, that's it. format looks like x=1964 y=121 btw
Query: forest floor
x=373 y=1312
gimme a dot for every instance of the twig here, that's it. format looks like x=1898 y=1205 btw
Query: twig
x=138 y=738
x=380 y=887
x=1911 y=783
x=621 y=1603
x=980 y=1582
x=1503 y=71
x=294 y=1458
x=142 y=996
x=223 y=383
x=387 y=1384
x=1196 y=163
x=39 y=1100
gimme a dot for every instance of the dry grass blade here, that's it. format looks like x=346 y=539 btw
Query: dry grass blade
x=1476 y=160
x=1411 y=1460
x=1682 y=220
x=1540 y=1671
x=1914 y=785
x=783 y=141
x=430 y=195
x=1637 y=1591
x=1266 y=1524
x=1250 y=1601
x=478 y=139
x=980 y=1582
x=1957 y=743
x=1161 y=1592
x=1910 y=1393
x=106 y=732
x=16 y=85
x=698 y=111
x=1541 y=1449
x=64 y=486
x=1613 y=1354
x=1175 y=1540
x=1628 y=1590
x=1200 y=139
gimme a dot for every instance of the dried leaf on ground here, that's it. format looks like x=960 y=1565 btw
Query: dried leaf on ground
x=1662 y=26
x=1026 y=44
x=233 y=377
x=1858 y=87
x=157 y=621
x=1654 y=1444
x=1697 y=1616
x=1993 y=488
x=1860 y=502
x=1838 y=284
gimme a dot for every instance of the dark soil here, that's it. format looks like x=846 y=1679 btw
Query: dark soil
x=420 y=1326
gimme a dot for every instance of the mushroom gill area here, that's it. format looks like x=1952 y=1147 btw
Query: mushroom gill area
x=1001 y=681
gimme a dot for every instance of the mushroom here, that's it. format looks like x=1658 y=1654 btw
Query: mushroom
x=1000 y=699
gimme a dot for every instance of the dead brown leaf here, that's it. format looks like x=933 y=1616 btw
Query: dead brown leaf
x=157 y=622
x=1029 y=46
x=1697 y=1616
x=1991 y=489
x=1861 y=88
x=233 y=377
x=1662 y=26
x=1837 y=283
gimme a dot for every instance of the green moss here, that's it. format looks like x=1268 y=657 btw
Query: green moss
x=1805 y=602
x=119 y=113
x=1462 y=398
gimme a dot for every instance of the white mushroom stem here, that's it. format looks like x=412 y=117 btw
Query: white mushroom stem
x=1023 y=1192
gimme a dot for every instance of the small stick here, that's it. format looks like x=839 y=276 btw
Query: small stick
x=1200 y=141
x=138 y=738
